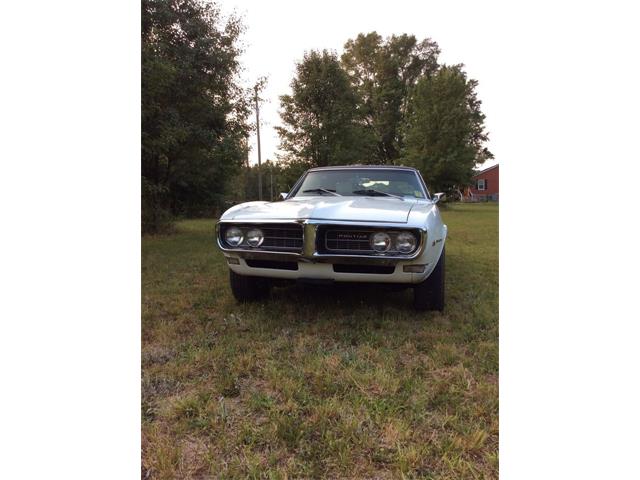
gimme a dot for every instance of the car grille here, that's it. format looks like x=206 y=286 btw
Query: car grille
x=285 y=237
x=356 y=241
x=272 y=264
x=378 y=269
x=282 y=237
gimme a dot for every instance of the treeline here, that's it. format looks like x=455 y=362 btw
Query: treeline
x=277 y=178
x=194 y=112
x=386 y=101
x=383 y=100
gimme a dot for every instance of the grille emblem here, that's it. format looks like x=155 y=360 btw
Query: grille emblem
x=361 y=236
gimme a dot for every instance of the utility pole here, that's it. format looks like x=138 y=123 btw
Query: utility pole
x=271 y=178
x=245 y=177
x=259 y=152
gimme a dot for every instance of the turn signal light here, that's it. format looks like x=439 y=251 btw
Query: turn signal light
x=413 y=268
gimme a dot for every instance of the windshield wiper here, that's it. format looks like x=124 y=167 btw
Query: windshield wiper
x=323 y=190
x=374 y=192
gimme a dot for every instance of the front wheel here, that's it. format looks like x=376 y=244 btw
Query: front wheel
x=246 y=289
x=429 y=294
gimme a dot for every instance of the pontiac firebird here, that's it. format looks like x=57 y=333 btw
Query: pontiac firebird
x=361 y=223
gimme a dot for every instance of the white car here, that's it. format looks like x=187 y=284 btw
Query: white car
x=361 y=223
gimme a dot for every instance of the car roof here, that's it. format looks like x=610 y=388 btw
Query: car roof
x=358 y=166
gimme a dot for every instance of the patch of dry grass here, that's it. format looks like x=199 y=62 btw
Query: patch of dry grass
x=332 y=382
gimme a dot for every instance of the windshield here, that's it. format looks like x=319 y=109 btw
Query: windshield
x=355 y=182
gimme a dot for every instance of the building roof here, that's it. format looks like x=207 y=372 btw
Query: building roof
x=480 y=172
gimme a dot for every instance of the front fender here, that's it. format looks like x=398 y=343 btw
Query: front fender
x=429 y=216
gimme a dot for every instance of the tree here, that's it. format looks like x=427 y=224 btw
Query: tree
x=321 y=117
x=383 y=73
x=194 y=114
x=277 y=177
x=445 y=129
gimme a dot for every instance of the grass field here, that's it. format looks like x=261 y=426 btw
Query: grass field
x=319 y=382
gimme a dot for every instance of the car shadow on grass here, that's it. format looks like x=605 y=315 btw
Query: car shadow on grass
x=344 y=296
x=342 y=314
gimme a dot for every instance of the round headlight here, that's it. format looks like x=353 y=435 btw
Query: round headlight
x=233 y=236
x=380 y=242
x=255 y=237
x=405 y=242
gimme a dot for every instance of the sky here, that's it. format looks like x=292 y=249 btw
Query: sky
x=279 y=32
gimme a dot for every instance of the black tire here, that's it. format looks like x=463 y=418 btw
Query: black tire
x=429 y=295
x=246 y=289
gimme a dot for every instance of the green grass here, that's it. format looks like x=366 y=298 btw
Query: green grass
x=331 y=382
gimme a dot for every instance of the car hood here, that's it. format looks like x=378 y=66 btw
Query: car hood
x=356 y=209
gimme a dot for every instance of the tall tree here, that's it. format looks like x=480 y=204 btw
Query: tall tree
x=194 y=114
x=384 y=71
x=445 y=132
x=321 y=118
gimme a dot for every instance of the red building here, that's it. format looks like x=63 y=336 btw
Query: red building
x=485 y=185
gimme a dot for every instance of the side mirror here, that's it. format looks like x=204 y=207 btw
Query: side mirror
x=283 y=196
x=437 y=197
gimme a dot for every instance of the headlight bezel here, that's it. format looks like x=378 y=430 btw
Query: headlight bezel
x=395 y=239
